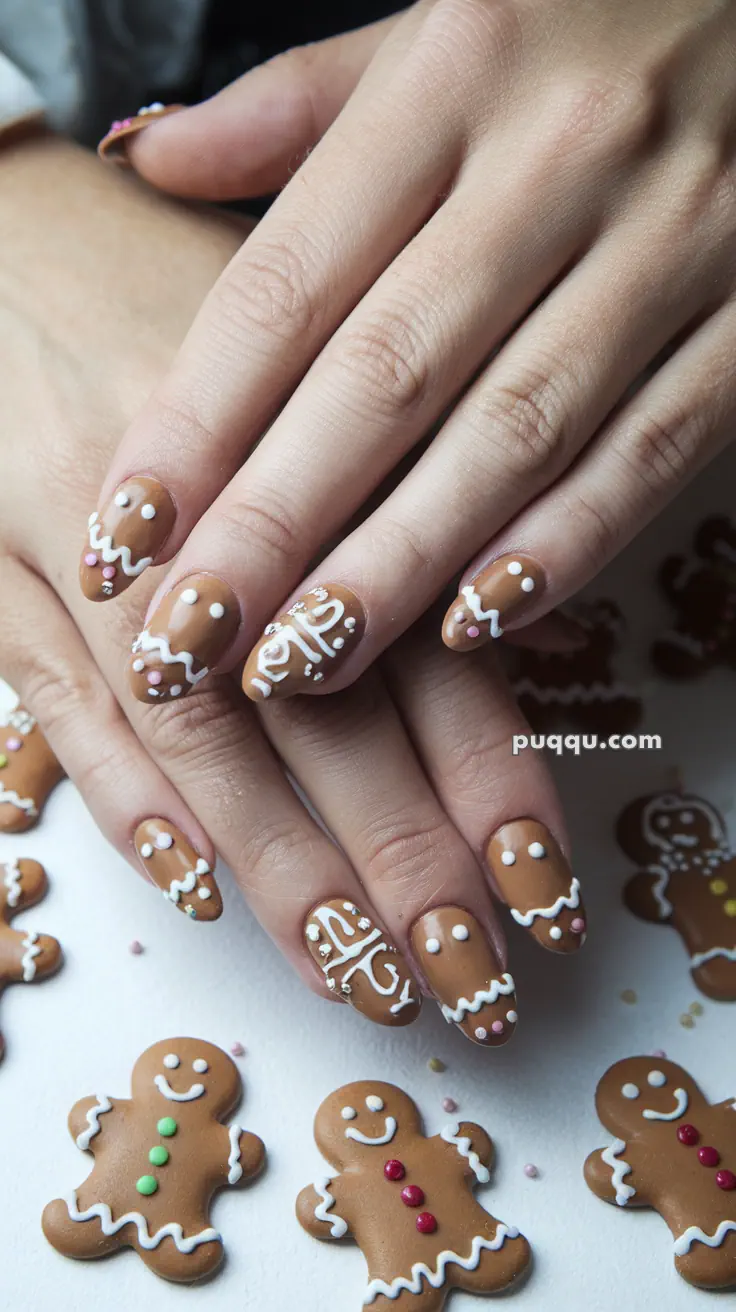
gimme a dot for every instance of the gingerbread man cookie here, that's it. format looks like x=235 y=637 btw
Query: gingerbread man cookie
x=579 y=687
x=406 y=1201
x=24 y=957
x=28 y=771
x=702 y=588
x=688 y=881
x=159 y=1158
x=675 y=1152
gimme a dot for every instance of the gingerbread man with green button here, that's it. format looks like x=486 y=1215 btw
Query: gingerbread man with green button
x=159 y=1158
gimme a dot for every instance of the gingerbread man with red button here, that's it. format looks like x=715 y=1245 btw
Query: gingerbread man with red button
x=406 y=1200
x=676 y=1152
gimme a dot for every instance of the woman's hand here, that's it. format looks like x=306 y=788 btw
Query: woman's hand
x=415 y=825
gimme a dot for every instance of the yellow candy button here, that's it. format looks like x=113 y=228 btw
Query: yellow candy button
x=730 y=906
x=3 y=760
x=718 y=886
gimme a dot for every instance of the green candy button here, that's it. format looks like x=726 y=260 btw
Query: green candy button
x=167 y=1126
x=158 y=1156
x=146 y=1185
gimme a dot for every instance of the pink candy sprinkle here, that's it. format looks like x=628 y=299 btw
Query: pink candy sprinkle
x=237 y=1050
x=90 y=559
x=473 y=631
x=449 y=1105
x=13 y=744
x=577 y=925
x=154 y=676
x=531 y=1171
x=660 y=1052
x=109 y=572
x=497 y=1027
x=136 y=948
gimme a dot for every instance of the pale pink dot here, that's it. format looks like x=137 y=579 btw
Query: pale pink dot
x=109 y=572
x=136 y=948
x=473 y=631
x=13 y=744
x=237 y=1050
x=449 y=1105
x=497 y=1027
x=116 y=125
x=577 y=925
x=531 y=1170
x=154 y=676
x=659 y=1052
x=90 y=559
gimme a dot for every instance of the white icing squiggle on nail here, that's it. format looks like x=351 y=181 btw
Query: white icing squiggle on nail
x=504 y=986
x=436 y=1276
x=571 y=900
x=111 y=554
x=700 y=958
x=188 y=883
x=386 y=1137
x=619 y=1168
x=681 y=1105
x=475 y=604
x=338 y=1225
x=11 y=881
x=102 y=1105
x=30 y=943
x=173 y=1230
x=406 y=1000
x=163 y=1086
x=694 y=1234
x=235 y=1172
x=451 y=1134
x=147 y=642
x=10 y=796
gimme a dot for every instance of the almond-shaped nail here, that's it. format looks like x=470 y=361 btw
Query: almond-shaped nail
x=113 y=144
x=125 y=538
x=500 y=593
x=183 y=876
x=464 y=974
x=188 y=633
x=535 y=879
x=306 y=644
x=360 y=964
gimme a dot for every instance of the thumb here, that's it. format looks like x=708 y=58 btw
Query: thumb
x=249 y=138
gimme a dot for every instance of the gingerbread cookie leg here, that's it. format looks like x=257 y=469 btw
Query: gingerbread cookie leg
x=536 y=881
x=183 y=876
x=28 y=772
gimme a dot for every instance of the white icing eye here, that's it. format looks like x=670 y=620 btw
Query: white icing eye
x=433 y=946
x=630 y=1091
x=122 y=499
x=200 y=1065
x=460 y=932
x=148 y=511
x=171 y=1061
x=514 y=567
x=537 y=851
x=189 y=596
x=656 y=1079
x=217 y=610
x=663 y=822
x=163 y=841
x=686 y=817
x=508 y=858
x=527 y=584
x=374 y=1103
x=348 y=1113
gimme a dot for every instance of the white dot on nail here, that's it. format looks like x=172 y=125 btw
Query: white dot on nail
x=163 y=841
x=217 y=610
x=527 y=584
x=511 y=1017
x=481 y=1033
x=148 y=511
x=338 y=643
x=146 y=851
x=312 y=932
x=555 y=932
x=537 y=851
x=189 y=596
x=508 y=858
x=433 y=946
x=460 y=932
x=204 y=893
x=138 y=666
x=122 y=499
x=514 y=567
x=175 y=690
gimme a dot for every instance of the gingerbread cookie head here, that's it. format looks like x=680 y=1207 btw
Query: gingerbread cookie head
x=178 y=1073
x=640 y=1091
x=362 y=1118
x=672 y=827
x=715 y=540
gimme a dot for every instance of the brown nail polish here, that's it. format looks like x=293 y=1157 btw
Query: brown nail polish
x=188 y=633
x=28 y=771
x=113 y=144
x=360 y=965
x=463 y=972
x=536 y=881
x=171 y=862
x=306 y=644
x=499 y=594
x=125 y=538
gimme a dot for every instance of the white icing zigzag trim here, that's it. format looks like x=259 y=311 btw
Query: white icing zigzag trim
x=475 y=604
x=576 y=692
x=146 y=642
x=693 y=646
x=102 y=1105
x=31 y=950
x=681 y=1105
x=338 y=1225
x=110 y=553
x=10 y=796
x=236 y=1171
x=436 y=1277
x=11 y=881
x=148 y=1241
x=571 y=900
x=619 y=1168
x=700 y=958
x=451 y=1134
x=504 y=986
x=694 y=1234
x=189 y=882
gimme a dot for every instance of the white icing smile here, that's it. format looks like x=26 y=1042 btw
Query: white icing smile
x=359 y=1137
x=681 y=1101
x=163 y=1086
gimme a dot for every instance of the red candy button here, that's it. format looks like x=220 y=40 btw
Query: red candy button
x=394 y=1170
x=726 y=1180
x=412 y=1195
x=426 y=1223
x=688 y=1135
x=708 y=1156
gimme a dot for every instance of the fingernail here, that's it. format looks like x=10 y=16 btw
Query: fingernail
x=171 y=862
x=125 y=538
x=113 y=144
x=536 y=881
x=463 y=972
x=500 y=592
x=28 y=772
x=190 y=631
x=360 y=964
x=305 y=645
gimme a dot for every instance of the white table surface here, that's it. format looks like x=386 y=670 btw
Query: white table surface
x=82 y=1031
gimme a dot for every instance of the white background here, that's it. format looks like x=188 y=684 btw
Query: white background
x=81 y=1032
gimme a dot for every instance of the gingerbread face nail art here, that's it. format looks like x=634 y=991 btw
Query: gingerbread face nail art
x=24 y=957
x=407 y=1200
x=702 y=589
x=676 y=1152
x=160 y=1157
x=28 y=772
x=188 y=633
x=462 y=970
x=360 y=964
x=306 y=644
x=536 y=881
x=125 y=538
x=501 y=592
x=184 y=877
x=113 y=144
x=688 y=881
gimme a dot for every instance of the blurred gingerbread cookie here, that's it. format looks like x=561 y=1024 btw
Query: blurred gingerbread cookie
x=28 y=771
x=26 y=957
x=702 y=589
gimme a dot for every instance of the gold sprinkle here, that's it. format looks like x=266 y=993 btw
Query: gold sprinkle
x=718 y=886
x=696 y=1008
x=629 y=996
x=730 y=906
x=687 y=1021
x=436 y=1064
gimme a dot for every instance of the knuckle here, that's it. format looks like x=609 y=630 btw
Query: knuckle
x=406 y=548
x=489 y=29
x=662 y=449
x=275 y=846
x=57 y=692
x=527 y=418
x=619 y=111
x=594 y=522
x=470 y=759
x=272 y=287
x=388 y=361
x=262 y=524
x=402 y=851
x=202 y=736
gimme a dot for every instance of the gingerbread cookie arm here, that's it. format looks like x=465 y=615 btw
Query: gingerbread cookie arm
x=470 y=1144
x=85 y=1122
x=611 y=1174
x=241 y=1155
x=645 y=896
x=320 y=1209
x=22 y=884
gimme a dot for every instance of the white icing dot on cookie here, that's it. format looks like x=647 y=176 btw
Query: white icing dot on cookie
x=189 y=596
x=217 y=610
x=432 y=945
x=527 y=584
x=122 y=499
x=146 y=851
x=163 y=841
x=148 y=511
x=348 y=1113
x=630 y=1091
x=514 y=567
x=312 y=932
x=508 y=858
x=555 y=932
x=537 y=851
x=200 y=1065
x=171 y=1061
x=374 y=1103
x=656 y=1079
x=512 y=1017
x=460 y=932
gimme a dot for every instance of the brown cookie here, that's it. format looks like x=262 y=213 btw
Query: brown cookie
x=125 y=538
x=305 y=645
x=406 y=1200
x=159 y=1158
x=28 y=771
x=688 y=881
x=191 y=630
x=24 y=957
x=171 y=862
x=675 y=1152
x=702 y=589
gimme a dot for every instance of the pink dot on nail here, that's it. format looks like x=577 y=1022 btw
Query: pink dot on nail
x=109 y=572
x=497 y=1027
x=449 y=1105
x=90 y=559
x=531 y=1171
x=237 y=1050
x=577 y=925
x=154 y=676
x=116 y=125
x=13 y=744
x=473 y=631
x=136 y=948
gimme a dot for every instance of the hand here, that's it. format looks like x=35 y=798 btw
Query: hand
x=413 y=825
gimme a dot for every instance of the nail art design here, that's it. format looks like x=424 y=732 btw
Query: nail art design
x=125 y=539
x=169 y=859
x=462 y=970
x=536 y=881
x=113 y=144
x=360 y=965
x=305 y=644
x=499 y=593
x=28 y=772
x=189 y=632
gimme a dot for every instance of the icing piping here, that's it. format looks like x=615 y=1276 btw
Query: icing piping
x=277 y=650
x=189 y=882
x=359 y=1137
x=571 y=900
x=146 y=642
x=362 y=953
x=700 y=958
x=146 y=1240
x=338 y=1225
x=451 y=1134
x=102 y=1105
x=619 y=1168
x=163 y=1086
x=475 y=604
x=404 y=1001
x=675 y=802
x=436 y=1277
x=30 y=943
x=694 y=646
x=110 y=553
x=576 y=692
x=681 y=1105
x=694 y=1234
x=490 y=995
x=18 y=719
x=236 y=1171
x=10 y=796
x=11 y=881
